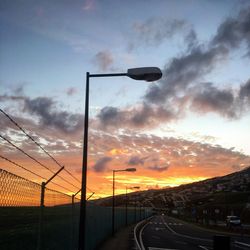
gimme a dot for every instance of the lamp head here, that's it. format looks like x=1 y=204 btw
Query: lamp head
x=148 y=74
x=130 y=169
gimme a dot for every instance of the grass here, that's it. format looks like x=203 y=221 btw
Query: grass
x=19 y=228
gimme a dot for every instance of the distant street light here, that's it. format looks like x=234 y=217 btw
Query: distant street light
x=113 y=200
x=135 y=206
x=146 y=74
x=126 y=203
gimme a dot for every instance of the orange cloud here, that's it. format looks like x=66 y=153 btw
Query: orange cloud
x=166 y=161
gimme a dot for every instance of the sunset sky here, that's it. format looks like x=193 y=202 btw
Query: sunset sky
x=191 y=125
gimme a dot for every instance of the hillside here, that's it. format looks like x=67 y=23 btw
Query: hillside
x=224 y=195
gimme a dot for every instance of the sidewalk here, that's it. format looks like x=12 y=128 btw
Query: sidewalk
x=123 y=240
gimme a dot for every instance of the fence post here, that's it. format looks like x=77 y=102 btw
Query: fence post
x=72 y=222
x=73 y=219
x=40 y=225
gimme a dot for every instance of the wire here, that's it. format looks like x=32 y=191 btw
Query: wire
x=61 y=186
x=36 y=160
x=26 y=154
x=90 y=190
x=31 y=138
x=18 y=165
x=14 y=163
x=71 y=175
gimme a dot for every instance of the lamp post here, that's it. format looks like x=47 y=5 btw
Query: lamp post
x=113 y=198
x=126 y=203
x=146 y=74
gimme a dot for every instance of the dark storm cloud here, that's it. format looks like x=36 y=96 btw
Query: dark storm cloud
x=101 y=164
x=211 y=99
x=44 y=108
x=109 y=115
x=244 y=93
x=47 y=115
x=142 y=116
x=149 y=115
x=181 y=86
x=183 y=71
x=180 y=74
x=234 y=31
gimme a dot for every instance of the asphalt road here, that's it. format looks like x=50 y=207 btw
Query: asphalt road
x=167 y=233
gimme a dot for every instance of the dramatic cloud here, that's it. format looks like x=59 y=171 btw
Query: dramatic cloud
x=182 y=86
x=47 y=114
x=183 y=71
x=178 y=76
x=109 y=115
x=244 y=93
x=44 y=108
x=189 y=160
x=191 y=39
x=158 y=169
x=136 y=160
x=101 y=164
x=211 y=99
x=104 y=60
x=141 y=116
x=154 y=31
x=234 y=31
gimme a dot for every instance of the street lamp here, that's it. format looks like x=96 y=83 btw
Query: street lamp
x=135 y=208
x=113 y=198
x=148 y=74
x=126 y=203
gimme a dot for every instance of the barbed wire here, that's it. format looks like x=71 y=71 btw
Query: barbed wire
x=39 y=145
x=45 y=151
x=20 y=166
x=71 y=175
x=31 y=157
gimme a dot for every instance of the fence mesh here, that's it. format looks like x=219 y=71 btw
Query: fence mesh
x=20 y=216
x=17 y=191
x=24 y=224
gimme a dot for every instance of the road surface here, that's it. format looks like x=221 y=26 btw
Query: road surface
x=167 y=233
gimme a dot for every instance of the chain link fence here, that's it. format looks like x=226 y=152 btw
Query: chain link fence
x=25 y=224
x=28 y=223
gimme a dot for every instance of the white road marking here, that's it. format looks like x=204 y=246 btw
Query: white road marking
x=243 y=248
x=205 y=248
x=159 y=228
x=184 y=235
x=140 y=237
x=157 y=248
x=242 y=243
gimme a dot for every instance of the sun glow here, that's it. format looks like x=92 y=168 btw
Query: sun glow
x=146 y=182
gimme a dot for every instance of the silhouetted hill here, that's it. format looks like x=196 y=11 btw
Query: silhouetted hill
x=232 y=189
